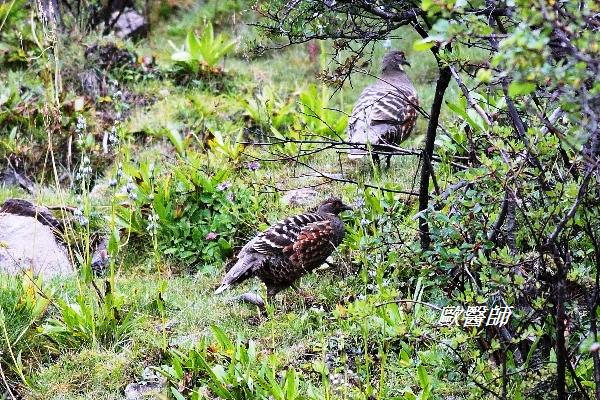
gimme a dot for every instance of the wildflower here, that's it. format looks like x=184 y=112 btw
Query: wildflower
x=211 y=236
x=230 y=197
x=152 y=222
x=253 y=166
x=223 y=186
x=81 y=124
x=364 y=222
x=113 y=183
x=113 y=138
x=359 y=202
x=85 y=169
x=130 y=186
x=79 y=217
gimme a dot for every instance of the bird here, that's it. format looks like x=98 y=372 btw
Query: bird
x=386 y=111
x=288 y=250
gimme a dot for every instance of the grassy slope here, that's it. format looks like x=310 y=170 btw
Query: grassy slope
x=102 y=373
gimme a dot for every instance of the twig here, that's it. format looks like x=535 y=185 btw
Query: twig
x=433 y=306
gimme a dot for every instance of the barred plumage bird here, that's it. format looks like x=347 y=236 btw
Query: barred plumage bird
x=289 y=249
x=386 y=111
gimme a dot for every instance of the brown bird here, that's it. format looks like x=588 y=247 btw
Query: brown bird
x=386 y=111
x=288 y=250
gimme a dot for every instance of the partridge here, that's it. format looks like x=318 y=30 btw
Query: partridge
x=386 y=111
x=289 y=249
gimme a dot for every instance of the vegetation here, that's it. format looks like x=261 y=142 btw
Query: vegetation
x=176 y=155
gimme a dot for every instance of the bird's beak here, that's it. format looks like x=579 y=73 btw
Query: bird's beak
x=405 y=63
x=346 y=207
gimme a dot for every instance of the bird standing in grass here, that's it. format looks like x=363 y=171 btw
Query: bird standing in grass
x=386 y=111
x=289 y=249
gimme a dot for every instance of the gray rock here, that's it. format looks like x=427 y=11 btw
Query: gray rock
x=144 y=390
x=150 y=387
x=26 y=208
x=25 y=243
x=129 y=23
x=10 y=177
x=299 y=197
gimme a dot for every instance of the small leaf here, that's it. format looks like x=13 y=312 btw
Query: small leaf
x=423 y=44
x=520 y=88
x=193 y=45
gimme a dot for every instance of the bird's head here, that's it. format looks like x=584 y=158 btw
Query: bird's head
x=333 y=205
x=394 y=61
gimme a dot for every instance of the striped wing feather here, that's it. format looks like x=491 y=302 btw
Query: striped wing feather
x=383 y=105
x=283 y=234
x=313 y=245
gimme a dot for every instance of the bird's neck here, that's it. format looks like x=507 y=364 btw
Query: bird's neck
x=327 y=215
x=394 y=75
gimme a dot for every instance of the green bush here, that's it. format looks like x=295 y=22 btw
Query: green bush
x=195 y=216
x=21 y=309
x=234 y=371
x=91 y=319
x=204 y=52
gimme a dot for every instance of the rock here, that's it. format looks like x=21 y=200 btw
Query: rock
x=25 y=208
x=91 y=83
x=10 y=177
x=150 y=387
x=27 y=243
x=129 y=23
x=144 y=390
x=299 y=197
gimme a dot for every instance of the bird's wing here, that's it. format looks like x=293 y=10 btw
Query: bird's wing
x=381 y=111
x=385 y=104
x=283 y=234
x=395 y=108
x=314 y=244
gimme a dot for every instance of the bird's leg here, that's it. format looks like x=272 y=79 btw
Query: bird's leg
x=388 y=160
x=253 y=298
x=376 y=160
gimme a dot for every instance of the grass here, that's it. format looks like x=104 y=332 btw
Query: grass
x=302 y=325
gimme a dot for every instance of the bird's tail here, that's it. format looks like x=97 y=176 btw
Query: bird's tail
x=241 y=271
x=365 y=137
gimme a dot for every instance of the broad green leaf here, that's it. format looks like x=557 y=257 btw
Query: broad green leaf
x=193 y=46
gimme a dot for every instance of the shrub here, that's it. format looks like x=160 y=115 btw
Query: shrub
x=202 y=53
x=21 y=308
x=233 y=371
x=89 y=320
x=194 y=215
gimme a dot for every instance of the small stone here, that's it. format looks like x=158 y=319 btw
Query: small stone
x=144 y=390
x=129 y=23
x=299 y=197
